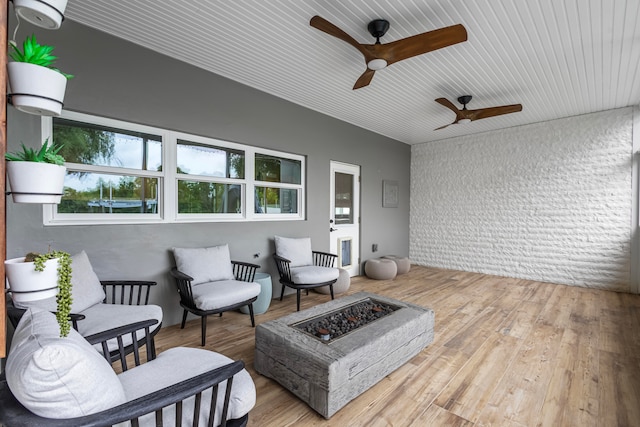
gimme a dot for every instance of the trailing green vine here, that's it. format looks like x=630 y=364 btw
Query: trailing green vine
x=63 y=298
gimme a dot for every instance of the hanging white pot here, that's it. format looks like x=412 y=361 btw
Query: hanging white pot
x=27 y=284
x=35 y=182
x=43 y=13
x=35 y=89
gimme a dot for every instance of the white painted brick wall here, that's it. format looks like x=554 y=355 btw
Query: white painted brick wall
x=549 y=201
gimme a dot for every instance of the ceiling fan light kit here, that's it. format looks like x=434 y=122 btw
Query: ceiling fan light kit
x=376 y=64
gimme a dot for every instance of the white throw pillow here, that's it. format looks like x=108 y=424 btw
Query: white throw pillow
x=296 y=250
x=58 y=377
x=205 y=264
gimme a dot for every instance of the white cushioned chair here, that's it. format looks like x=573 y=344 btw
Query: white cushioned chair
x=300 y=267
x=99 y=305
x=209 y=282
x=56 y=381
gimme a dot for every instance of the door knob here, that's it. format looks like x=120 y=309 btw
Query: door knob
x=333 y=229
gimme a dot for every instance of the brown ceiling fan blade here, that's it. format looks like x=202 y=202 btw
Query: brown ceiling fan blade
x=364 y=79
x=422 y=43
x=484 y=113
x=325 y=26
x=445 y=102
x=442 y=127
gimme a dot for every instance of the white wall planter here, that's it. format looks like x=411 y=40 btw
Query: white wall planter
x=35 y=89
x=35 y=182
x=27 y=284
x=43 y=13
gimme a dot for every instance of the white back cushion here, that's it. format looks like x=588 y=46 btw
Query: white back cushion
x=296 y=250
x=58 y=377
x=87 y=290
x=205 y=264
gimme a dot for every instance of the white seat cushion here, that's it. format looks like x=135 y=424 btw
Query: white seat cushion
x=102 y=317
x=180 y=363
x=58 y=377
x=313 y=274
x=215 y=295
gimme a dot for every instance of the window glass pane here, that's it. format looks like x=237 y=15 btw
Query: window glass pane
x=103 y=146
x=198 y=159
x=345 y=252
x=196 y=197
x=344 y=198
x=88 y=192
x=278 y=169
x=276 y=200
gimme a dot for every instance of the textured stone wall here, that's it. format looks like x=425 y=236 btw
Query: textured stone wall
x=549 y=201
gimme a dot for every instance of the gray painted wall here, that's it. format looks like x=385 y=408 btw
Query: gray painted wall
x=120 y=80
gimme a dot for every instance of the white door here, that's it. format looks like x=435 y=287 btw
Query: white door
x=344 y=216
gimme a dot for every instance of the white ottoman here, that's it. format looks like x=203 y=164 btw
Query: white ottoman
x=380 y=269
x=403 y=263
x=341 y=285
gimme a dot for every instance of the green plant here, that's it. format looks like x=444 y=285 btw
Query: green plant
x=48 y=153
x=35 y=53
x=63 y=298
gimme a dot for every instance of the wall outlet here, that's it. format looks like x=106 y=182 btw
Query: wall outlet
x=374 y=247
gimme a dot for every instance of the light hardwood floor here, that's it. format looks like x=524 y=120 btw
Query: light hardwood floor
x=507 y=352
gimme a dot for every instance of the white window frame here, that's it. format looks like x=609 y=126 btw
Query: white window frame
x=168 y=180
x=255 y=183
x=174 y=176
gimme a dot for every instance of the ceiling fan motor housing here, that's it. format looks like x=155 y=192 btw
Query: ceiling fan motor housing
x=464 y=100
x=378 y=28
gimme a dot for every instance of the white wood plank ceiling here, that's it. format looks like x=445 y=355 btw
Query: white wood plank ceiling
x=558 y=58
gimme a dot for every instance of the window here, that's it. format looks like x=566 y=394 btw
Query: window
x=278 y=185
x=119 y=172
x=112 y=171
x=210 y=179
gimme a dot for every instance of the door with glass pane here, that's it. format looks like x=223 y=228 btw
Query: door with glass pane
x=344 y=216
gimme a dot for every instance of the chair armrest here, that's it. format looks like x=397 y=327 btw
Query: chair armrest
x=13 y=413
x=180 y=275
x=284 y=269
x=15 y=314
x=118 y=333
x=183 y=283
x=128 y=292
x=324 y=259
x=244 y=271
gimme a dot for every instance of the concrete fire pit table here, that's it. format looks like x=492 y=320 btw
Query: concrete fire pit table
x=327 y=374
